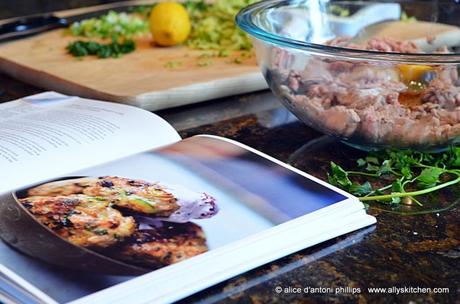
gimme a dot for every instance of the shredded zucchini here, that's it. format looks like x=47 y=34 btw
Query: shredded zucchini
x=213 y=25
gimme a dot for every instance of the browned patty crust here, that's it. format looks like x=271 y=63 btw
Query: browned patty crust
x=163 y=245
x=82 y=220
x=137 y=196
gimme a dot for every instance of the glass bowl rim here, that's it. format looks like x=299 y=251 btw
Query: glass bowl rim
x=245 y=21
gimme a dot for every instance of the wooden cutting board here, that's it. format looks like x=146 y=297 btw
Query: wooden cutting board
x=141 y=78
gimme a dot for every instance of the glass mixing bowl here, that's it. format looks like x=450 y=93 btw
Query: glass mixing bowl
x=348 y=68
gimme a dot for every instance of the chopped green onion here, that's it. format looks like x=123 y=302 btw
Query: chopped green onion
x=111 y=25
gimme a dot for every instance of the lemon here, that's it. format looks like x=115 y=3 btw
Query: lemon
x=169 y=23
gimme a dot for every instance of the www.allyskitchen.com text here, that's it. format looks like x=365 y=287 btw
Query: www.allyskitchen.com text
x=358 y=290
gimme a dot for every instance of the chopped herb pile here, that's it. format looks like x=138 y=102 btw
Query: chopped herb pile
x=213 y=25
x=111 y=25
x=405 y=175
x=114 y=49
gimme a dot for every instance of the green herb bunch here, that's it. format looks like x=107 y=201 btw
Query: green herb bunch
x=405 y=175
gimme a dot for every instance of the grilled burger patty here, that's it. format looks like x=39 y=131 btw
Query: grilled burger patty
x=82 y=220
x=162 y=245
x=134 y=195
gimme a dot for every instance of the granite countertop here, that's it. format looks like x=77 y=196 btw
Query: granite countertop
x=401 y=250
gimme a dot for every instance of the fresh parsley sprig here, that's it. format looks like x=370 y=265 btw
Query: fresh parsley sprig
x=405 y=175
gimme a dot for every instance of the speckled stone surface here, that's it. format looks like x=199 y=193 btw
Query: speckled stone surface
x=402 y=251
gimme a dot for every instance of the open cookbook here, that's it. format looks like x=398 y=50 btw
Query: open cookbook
x=104 y=203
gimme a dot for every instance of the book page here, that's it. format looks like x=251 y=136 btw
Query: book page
x=49 y=134
x=194 y=213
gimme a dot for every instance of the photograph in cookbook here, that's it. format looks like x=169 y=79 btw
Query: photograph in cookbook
x=149 y=211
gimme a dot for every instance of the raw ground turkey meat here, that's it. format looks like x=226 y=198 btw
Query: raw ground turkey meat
x=371 y=101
